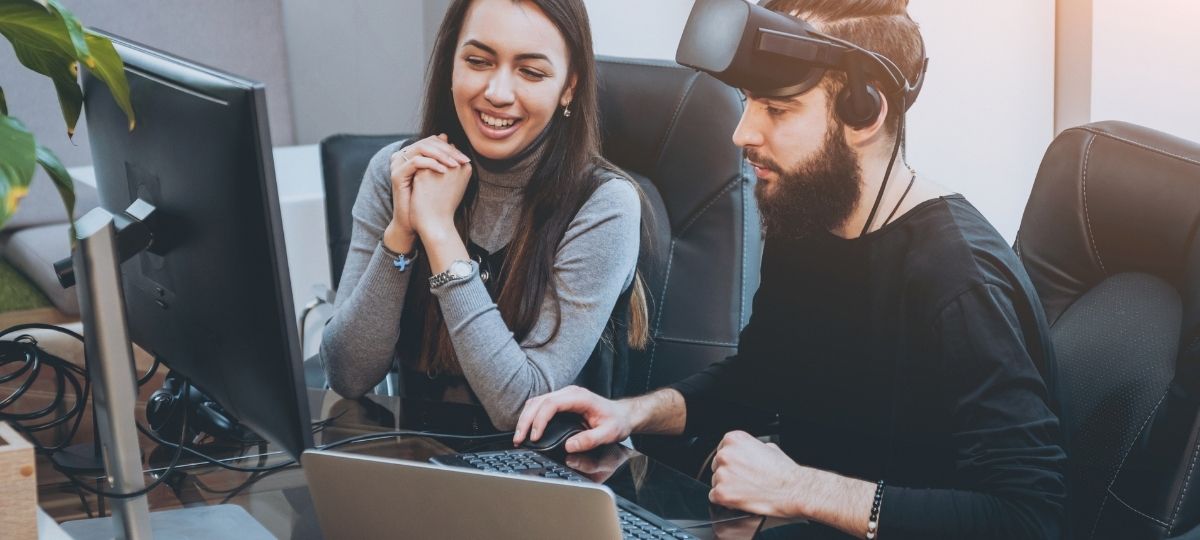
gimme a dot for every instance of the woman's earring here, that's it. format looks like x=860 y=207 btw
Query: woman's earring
x=567 y=111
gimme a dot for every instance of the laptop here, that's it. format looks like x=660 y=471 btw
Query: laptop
x=361 y=496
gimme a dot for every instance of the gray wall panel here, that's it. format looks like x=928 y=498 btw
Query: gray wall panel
x=244 y=37
x=358 y=66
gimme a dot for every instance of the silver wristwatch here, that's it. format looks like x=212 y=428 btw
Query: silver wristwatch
x=459 y=269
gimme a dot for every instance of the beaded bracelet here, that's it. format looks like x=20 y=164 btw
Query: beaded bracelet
x=873 y=524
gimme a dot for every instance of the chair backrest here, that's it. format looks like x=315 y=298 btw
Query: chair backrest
x=344 y=160
x=670 y=128
x=1109 y=237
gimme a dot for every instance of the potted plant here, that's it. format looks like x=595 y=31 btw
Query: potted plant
x=49 y=39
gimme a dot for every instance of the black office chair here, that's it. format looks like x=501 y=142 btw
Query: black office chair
x=344 y=160
x=671 y=127
x=1109 y=238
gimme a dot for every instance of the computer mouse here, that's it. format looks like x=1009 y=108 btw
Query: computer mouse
x=560 y=428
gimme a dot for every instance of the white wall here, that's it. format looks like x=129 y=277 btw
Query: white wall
x=1146 y=64
x=637 y=28
x=986 y=113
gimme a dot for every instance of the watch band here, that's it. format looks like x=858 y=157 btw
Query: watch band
x=450 y=274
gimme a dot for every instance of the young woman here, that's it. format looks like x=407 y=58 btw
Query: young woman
x=492 y=258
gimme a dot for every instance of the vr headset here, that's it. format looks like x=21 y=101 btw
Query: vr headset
x=770 y=54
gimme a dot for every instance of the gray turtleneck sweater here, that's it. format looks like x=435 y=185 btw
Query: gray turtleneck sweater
x=596 y=260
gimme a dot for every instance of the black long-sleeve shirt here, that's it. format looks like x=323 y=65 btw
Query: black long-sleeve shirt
x=914 y=354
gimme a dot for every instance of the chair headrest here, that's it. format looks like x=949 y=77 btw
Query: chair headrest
x=1109 y=198
x=672 y=125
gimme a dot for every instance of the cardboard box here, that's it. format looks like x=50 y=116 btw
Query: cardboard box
x=18 y=486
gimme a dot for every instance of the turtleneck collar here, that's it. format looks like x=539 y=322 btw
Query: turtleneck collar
x=513 y=172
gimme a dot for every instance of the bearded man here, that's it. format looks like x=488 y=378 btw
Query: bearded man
x=903 y=351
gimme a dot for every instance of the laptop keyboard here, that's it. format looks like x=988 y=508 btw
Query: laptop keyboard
x=636 y=522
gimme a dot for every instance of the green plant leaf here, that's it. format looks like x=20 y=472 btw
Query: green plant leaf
x=64 y=72
x=42 y=39
x=62 y=181
x=110 y=69
x=18 y=161
x=36 y=26
x=74 y=32
x=48 y=39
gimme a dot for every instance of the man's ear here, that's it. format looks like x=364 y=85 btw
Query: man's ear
x=866 y=135
x=568 y=94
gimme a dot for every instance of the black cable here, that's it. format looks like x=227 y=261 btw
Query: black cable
x=33 y=361
x=24 y=350
x=912 y=180
x=166 y=473
x=86 y=507
x=882 y=188
x=153 y=369
x=87 y=389
x=336 y=444
x=896 y=208
x=40 y=326
x=205 y=457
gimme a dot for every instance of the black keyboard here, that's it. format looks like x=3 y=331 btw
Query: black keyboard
x=636 y=522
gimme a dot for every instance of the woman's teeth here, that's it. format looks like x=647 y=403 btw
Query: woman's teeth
x=496 y=122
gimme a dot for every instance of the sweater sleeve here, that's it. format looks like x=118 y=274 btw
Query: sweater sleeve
x=359 y=342
x=1009 y=463
x=594 y=263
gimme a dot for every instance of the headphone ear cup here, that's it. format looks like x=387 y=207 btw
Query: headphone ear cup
x=164 y=414
x=164 y=409
x=859 y=107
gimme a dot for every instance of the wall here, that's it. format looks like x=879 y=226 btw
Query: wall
x=985 y=115
x=358 y=66
x=244 y=38
x=638 y=29
x=1146 y=65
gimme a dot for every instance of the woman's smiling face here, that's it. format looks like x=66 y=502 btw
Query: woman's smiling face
x=511 y=75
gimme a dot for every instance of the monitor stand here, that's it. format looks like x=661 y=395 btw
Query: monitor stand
x=97 y=268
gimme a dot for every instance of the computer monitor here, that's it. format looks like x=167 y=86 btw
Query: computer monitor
x=211 y=298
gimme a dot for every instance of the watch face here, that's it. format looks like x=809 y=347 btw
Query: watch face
x=459 y=269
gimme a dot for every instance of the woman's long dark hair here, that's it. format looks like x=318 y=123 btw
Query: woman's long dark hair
x=569 y=172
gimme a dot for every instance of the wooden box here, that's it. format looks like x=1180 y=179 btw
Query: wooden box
x=18 y=486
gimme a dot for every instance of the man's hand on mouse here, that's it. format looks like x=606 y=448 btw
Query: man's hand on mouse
x=607 y=421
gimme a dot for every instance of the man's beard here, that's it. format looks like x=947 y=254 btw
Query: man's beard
x=817 y=196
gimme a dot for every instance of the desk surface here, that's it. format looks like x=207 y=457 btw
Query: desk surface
x=280 y=500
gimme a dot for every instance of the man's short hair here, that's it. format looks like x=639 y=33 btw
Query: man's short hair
x=882 y=26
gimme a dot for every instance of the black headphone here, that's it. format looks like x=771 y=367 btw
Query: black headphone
x=167 y=406
x=859 y=103
x=776 y=55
